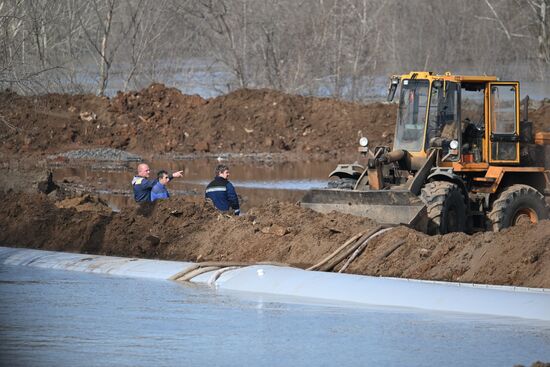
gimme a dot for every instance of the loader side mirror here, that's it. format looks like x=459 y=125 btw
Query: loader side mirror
x=393 y=87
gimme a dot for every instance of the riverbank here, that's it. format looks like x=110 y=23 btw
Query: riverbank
x=187 y=229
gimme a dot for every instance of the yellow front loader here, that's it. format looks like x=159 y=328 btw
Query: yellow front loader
x=462 y=160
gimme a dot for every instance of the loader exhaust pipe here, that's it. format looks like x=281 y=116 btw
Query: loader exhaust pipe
x=375 y=175
x=393 y=156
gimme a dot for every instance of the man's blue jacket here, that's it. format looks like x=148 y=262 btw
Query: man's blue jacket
x=159 y=191
x=223 y=194
x=142 y=188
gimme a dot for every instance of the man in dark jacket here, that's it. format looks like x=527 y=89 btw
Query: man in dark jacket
x=142 y=185
x=221 y=191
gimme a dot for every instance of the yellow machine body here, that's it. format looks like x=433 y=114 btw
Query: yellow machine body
x=462 y=129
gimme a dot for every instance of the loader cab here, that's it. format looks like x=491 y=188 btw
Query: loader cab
x=473 y=120
x=444 y=128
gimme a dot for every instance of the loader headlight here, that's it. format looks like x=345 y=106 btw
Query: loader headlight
x=363 y=141
x=454 y=144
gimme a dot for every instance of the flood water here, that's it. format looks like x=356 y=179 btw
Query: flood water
x=255 y=181
x=62 y=318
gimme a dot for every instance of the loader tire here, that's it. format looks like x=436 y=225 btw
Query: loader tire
x=446 y=207
x=517 y=204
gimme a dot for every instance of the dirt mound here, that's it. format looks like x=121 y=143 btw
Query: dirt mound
x=192 y=230
x=33 y=220
x=266 y=120
x=514 y=256
x=159 y=119
x=85 y=203
x=541 y=116
x=55 y=121
x=155 y=118
x=154 y=102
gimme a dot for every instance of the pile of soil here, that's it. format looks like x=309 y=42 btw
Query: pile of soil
x=160 y=119
x=85 y=203
x=541 y=116
x=191 y=230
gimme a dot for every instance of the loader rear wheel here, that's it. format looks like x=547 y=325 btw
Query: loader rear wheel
x=516 y=205
x=446 y=207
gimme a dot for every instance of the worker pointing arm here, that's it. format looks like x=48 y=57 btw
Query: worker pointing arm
x=141 y=184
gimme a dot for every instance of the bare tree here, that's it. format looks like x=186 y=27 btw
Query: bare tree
x=100 y=32
x=24 y=41
x=540 y=17
x=363 y=37
x=98 y=38
x=326 y=47
x=225 y=27
x=518 y=23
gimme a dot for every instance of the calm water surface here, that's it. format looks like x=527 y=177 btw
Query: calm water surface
x=255 y=181
x=61 y=318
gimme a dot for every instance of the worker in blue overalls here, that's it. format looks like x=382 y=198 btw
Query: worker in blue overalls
x=221 y=191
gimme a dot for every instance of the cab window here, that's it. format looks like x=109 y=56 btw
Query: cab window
x=411 y=115
x=503 y=122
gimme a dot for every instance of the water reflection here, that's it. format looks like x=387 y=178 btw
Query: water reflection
x=271 y=185
x=255 y=182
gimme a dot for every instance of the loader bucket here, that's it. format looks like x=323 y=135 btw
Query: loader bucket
x=384 y=206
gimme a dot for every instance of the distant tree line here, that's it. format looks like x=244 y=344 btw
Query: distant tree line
x=333 y=47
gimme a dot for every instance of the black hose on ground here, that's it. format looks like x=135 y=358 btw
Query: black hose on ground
x=329 y=262
x=362 y=248
x=329 y=257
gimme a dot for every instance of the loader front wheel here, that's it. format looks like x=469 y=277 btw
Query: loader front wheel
x=516 y=205
x=446 y=207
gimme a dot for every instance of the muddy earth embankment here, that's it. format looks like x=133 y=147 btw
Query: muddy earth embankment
x=160 y=120
x=189 y=229
x=163 y=120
